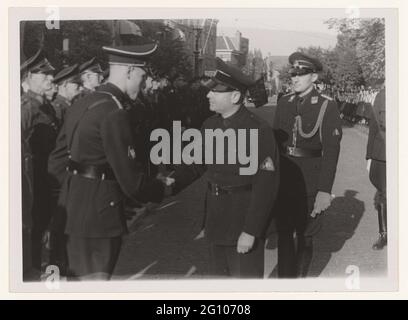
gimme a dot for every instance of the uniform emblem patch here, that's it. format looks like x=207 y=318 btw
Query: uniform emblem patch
x=291 y=98
x=268 y=165
x=131 y=153
x=336 y=132
x=314 y=100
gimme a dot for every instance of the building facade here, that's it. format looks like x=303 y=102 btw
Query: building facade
x=233 y=50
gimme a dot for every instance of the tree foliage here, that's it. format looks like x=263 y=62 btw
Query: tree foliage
x=362 y=41
x=86 y=38
x=255 y=64
x=171 y=57
x=358 y=57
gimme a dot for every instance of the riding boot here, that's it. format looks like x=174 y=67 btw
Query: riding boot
x=304 y=256
x=382 y=224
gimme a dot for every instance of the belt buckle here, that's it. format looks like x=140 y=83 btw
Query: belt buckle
x=103 y=176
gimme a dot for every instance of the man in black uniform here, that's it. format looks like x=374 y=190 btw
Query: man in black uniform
x=34 y=119
x=91 y=76
x=99 y=154
x=308 y=131
x=68 y=83
x=39 y=127
x=376 y=153
x=238 y=207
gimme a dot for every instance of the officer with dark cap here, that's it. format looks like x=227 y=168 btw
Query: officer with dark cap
x=308 y=131
x=238 y=207
x=376 y=155
x=39 y=130
x=68 y=83
x=97 y=149
x=91 y=75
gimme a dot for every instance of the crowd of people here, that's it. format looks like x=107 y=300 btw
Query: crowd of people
x=355 y=103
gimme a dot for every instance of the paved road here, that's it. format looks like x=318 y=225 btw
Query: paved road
x=162 y=245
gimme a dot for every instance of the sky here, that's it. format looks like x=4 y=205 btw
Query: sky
x=282 y=31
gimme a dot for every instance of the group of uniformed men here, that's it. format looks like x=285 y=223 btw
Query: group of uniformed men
x=95 y=164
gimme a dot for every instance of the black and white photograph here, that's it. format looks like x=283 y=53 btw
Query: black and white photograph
x=212 y=149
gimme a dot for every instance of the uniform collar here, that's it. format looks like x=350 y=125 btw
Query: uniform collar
x=306 y=93
x=305 y=98
x=113 y=89
x=63 y=99
x=35 y=96
x=234 y=118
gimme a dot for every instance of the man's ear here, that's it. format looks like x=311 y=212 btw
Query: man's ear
x=315 y=76
x=235 y=97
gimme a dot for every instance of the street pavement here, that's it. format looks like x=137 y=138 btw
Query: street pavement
x=161 y=244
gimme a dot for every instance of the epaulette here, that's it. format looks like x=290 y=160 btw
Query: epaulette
x=327 y=97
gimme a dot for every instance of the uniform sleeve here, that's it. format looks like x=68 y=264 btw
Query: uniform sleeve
x=185 y=175
x=331 y=137
x=120 y=152
x=265 y=184
x=58 y=160
x=26 y=117
x=372 y=133
x=379 y=108
x=276 y=117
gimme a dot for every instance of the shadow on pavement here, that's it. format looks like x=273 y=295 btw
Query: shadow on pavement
x=339 y=225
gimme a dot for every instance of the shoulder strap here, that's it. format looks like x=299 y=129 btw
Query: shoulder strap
x=114 y=98
x=79 y=120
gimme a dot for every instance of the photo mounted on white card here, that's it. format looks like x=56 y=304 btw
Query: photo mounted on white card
x=220 y=149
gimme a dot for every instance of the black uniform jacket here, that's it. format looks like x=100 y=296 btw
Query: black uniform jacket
x=314 y=173
x=61 y=105
x=97 y=131
x=247 y=210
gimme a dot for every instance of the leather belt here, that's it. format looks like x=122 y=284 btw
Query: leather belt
x=303 y=153
x=99 y=172
x=217 y=189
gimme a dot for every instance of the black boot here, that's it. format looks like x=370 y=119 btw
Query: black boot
x=382 y=223
x=304 y=256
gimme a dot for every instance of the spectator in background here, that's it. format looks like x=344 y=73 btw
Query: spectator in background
x=376 y=156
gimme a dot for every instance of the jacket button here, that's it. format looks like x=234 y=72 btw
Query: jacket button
x=112 y=203
x=75 y=172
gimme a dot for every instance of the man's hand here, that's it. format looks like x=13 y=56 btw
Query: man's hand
x=245 y=242
x=167 y=181
x=322 y=202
